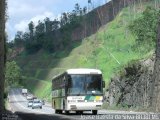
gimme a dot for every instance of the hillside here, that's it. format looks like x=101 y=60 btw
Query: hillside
x=109 y=49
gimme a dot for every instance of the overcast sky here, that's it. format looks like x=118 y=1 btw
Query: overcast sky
x=21 y=12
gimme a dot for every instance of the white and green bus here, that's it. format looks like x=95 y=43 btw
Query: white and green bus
x=78 y=90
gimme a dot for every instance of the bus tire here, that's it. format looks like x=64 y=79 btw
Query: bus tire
x=79 y=112
x=56 y=111
x=60 y=111
x=66 y=112
x=94 y=112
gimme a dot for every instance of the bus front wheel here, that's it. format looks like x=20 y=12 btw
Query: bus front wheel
x=94 y=112
x=79 y=112
x=66 y=112
x=58 y=111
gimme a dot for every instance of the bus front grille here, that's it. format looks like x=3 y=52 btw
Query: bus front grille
x=80 y=101
x=98 y=106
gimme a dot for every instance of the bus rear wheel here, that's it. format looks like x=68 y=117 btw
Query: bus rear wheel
x=94 y=112
x=60 y=111
x=66 y=112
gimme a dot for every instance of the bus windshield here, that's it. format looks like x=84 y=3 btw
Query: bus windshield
x=84 y=85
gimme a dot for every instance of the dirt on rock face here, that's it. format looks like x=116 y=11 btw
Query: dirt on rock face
x=132 y=87
x=100 y=17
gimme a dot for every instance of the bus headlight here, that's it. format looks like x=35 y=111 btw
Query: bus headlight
x=98 y=106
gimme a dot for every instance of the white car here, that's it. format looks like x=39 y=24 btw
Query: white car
x=37 y=104
x=29 y=97
x=30 y=103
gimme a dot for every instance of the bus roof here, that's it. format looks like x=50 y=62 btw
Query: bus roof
x=80 y=71
x=83 y=71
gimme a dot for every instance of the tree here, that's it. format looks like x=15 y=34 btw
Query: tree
x=145 y=27
x=80 y=12
x=36 y=39
x=2 y=53
x=77 y=9
x=12 y=73
x=64 y=19
x=31 y=29
x=89 y=5
x=55 y=25
x=26 y=37
x=40 y=28
x=39 y=35
x=84 y=10
x=18 y=40
x=48 y=25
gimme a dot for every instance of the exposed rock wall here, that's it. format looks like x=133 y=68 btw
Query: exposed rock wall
x=132 y=87
x=100 y=16
x=155 y=88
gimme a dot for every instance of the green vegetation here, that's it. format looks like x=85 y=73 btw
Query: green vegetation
x=110 y=49
x=12 y=74
x=145 y=27
x=50 y=35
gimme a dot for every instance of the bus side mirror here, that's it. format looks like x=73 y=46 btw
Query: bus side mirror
x=103 y=84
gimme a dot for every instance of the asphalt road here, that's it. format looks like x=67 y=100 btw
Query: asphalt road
x=18 y=105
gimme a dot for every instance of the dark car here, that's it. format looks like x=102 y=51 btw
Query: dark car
x=42 y=101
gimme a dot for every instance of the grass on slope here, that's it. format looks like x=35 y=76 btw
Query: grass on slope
x=108 y=50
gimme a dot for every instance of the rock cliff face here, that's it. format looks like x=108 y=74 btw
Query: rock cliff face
x=132 y=87
x=100 y=16
x=155 y=88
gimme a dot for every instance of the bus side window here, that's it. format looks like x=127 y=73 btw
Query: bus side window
x=69 y=79
x=65 y=81
x=103 y=84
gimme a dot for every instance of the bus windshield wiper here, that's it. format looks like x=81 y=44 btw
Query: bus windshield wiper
x=92 y=93
x=79 y=93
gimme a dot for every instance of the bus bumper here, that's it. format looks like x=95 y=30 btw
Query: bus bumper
x=84 y=106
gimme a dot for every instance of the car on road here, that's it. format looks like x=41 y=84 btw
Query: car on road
x=34 y=97
x=30 y=103
x=36 y=104
x=29 y=97
x=42 y=101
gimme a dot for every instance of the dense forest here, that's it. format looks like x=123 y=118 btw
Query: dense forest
x=51 y=35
